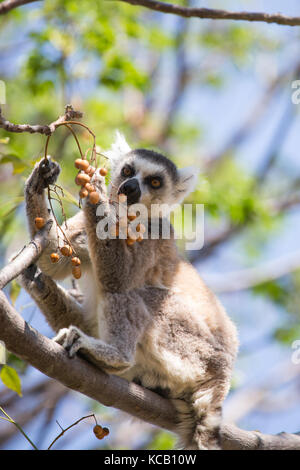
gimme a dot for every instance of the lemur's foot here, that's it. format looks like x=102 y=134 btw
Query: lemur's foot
x=72 y=339
x=44 y=173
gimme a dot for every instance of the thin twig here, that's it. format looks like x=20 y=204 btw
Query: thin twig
x=19 y=428
x=70 y=114
x=209 y=13
x=69 y=427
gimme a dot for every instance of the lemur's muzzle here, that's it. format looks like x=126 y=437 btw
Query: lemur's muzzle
x=131 y=189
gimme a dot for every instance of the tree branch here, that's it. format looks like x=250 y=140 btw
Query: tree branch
x=79 y=375
x=247 y=278
x=215 y=14
x=9 y=5
x=26 y=256
x=70 y=114
x=234 y=438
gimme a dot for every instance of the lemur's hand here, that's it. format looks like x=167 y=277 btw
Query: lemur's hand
x=44 y=173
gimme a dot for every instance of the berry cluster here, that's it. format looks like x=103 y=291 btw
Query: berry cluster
x=123 y=224
x=100 y=432
x=83 y=179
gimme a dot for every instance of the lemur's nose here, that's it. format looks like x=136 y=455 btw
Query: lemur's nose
x=131 y=189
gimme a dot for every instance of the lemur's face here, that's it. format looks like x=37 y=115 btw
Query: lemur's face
x=147 y=177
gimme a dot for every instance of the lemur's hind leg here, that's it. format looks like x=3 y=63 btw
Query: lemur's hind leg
x=60 y=308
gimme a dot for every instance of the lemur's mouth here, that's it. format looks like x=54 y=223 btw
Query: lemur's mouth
x=131 y=189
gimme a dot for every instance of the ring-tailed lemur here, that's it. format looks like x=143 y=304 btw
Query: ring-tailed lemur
x=144 y=313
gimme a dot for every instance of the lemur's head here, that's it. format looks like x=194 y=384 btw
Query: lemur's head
x=147 y=177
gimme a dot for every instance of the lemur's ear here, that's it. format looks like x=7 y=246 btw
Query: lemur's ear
x=187 y=182
x=118 y=149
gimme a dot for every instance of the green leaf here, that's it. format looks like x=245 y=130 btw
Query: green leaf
x=68 y=197
x=11 y=379
x=19 y=165
x=9 y=206
x=162 y=441
x=14 y=292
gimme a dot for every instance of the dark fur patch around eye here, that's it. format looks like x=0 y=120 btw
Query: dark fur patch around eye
x=148 y=180
x=127 y=171
x=159 y=159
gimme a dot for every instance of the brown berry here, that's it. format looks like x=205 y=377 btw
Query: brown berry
x=90 y=187
x=103 y=171
x=82 y=178
x=131 y=217
x=83 y=192
x=100 y=432
x=54 y=257
x=97 y=429
x=90 y=171
x=94 y=197
x=76 y=271
x=66 y=250
x=81 y=164
x=141 y=228
x=39 y=222
x=75 y=261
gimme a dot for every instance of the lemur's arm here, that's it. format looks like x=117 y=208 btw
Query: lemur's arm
x=117 y=267
x=59 y=306
x=125 y=312
x=127 y=317
x=43 y=174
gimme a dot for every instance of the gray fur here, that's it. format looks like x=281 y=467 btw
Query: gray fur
x=145 y=314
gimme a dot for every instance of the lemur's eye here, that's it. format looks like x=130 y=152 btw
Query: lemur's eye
x=155 y=183
x=127 y=171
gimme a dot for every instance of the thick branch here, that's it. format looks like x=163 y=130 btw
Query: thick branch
x=8 y=5
x=234 y=438
x=77 y=374
x=215 y=14
x=70 y=114
x=26 y=257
